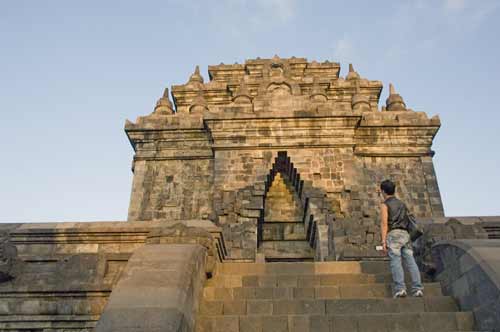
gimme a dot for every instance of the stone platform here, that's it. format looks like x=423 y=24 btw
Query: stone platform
x=78 y=276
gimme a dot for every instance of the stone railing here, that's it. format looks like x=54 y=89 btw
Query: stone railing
x=444 y=229
x=469 y=270
x=162 y=283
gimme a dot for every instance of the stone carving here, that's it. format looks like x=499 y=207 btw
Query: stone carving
x=317 y=92
x=196 y=80
x=8 y=254
x=164 y=105
x=199 y=104
x=394 y=102
x=242 y=94
x=352 y=75
x=360 y=102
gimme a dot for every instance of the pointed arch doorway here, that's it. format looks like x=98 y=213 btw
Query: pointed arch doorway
x=282 y=233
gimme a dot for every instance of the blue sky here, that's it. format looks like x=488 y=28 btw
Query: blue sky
x=71 y=72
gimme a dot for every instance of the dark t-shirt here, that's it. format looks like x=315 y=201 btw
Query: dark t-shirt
x=396 y=214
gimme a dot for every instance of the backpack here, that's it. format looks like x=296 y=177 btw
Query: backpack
x=413 y=228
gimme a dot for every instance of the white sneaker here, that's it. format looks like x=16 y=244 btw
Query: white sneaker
x=401 y=293
x=418 y=293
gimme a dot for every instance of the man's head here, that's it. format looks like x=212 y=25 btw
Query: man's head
x=388 y=187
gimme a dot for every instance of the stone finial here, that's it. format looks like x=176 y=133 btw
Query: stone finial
x=317 y=92
x=394 y=102
x=196 y=76
x=199 y=104
x=164 y=106
x=359 y=101
x=392 y=90
x=352 y=75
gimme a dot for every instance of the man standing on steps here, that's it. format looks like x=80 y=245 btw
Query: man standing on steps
x=396 y=241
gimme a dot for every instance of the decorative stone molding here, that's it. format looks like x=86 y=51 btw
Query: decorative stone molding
x=8 y=255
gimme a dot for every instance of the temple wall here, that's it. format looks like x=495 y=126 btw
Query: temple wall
x=323 y=167
x=183 y=189
x=411 y=185
x=173 y=170
x=350 y=181
x=179 y=189
x=172 y=190
x=206 y=188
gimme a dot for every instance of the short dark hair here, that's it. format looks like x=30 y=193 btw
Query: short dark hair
x=388 y=187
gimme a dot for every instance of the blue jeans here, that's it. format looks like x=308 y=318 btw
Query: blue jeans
x=399 y=245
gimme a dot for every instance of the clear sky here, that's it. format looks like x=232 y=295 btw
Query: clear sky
x=71 y=72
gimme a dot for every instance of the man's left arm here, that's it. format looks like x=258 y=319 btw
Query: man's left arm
x=384 y=216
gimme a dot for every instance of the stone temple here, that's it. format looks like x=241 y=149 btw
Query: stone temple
x=254 y=207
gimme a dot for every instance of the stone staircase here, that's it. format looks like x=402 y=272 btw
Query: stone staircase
x=283 y=231
x=285 y=241
x=326 y=296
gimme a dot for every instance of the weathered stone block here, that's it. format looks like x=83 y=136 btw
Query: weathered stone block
x=227 y=323
x=260 y=307
x=235 y=308
x=275 y=324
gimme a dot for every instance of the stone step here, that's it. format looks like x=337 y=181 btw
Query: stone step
x=302 y=268
x=354 y=291
x=48 y=322
x=274 y=231
x=328 y=307
x=294 y=280
x=381 y=322
x=282 y=194
x=274 y=250
x=51 y=305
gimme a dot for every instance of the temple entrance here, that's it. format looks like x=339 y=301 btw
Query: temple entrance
x=283 y=232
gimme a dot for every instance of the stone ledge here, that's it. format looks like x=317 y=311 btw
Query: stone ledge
x=48 y=322
x=96 y=232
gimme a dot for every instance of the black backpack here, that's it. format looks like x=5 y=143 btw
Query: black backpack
x=412 y=226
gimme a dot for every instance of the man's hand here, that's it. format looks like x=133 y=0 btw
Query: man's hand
x=384 y=246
